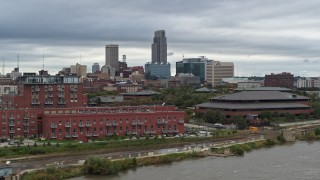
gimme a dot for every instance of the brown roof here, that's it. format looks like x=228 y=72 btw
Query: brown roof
x=252 y=105
x=259 y=95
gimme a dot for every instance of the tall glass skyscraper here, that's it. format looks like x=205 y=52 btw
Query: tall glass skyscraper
x=159 y=47
x=112 y=56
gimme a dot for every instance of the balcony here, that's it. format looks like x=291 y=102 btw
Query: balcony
x=164 y=131
x=95 y=134
x=35 y=103
x=181 y=121
x=109 y=133
x=25 y=117
x=88 y=134
x=115 y=124
x=61 y=102
x=53 y=136
x=133 y=123
x=162 y=122
x=176 y=131
x=74 y=134
x=61 y=95
x=152 y=132
x=54 y=126
x=11 y=124
x=134 y=132
x=25 y=124
x=140 y=123
x=11 y=131
x=48 y=102
x=50 y=95
x=50 y=89
x=11 y=117
x=68 y=135
x=82 y=125
x=108 y=124
x=67 y=125
x=146 y=132
x=88 y=124
x=26 y=130
x=73 y=89
x=37 y=89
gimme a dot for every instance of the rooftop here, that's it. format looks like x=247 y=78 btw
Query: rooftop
x=265 y=89
x=205 y=90
x=141 y=93
x=252 y=105
x=259 y=95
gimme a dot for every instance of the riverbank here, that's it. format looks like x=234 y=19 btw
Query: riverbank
x=107 y=167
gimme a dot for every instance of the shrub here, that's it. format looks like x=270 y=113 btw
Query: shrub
x=236 y=149
x=269 y=142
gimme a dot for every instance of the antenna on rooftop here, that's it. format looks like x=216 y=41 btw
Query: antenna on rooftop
x=3 y=66
x=42 y=59
x=18 y=61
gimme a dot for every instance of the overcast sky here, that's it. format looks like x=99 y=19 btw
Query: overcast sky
x=260 y=37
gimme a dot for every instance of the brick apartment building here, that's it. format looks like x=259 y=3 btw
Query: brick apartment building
x=279 y=80
x=54 y=107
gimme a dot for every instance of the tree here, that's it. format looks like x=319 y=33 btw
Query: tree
x=317 y=112
x=266 y=115
x=241 y=122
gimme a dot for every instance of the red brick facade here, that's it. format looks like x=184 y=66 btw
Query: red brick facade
x=86 y=123
x=279 y=80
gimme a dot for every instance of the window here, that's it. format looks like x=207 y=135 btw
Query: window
x=60 y=131
x=60 y=122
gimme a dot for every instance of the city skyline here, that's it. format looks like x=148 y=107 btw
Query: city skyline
x=259 y=37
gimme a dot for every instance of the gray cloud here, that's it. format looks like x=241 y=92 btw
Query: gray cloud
x=247 y=32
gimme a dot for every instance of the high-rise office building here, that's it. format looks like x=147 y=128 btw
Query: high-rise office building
x=80 y=70
x=112 y=56
x=159 y=47
x=95 y=67
x=195 y=66
x=216 y=71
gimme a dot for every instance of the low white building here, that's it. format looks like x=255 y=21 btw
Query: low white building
x=305 y=83
x=248 y=84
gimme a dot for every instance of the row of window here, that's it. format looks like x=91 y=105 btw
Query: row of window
x=120 y=129
x=114 y=121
